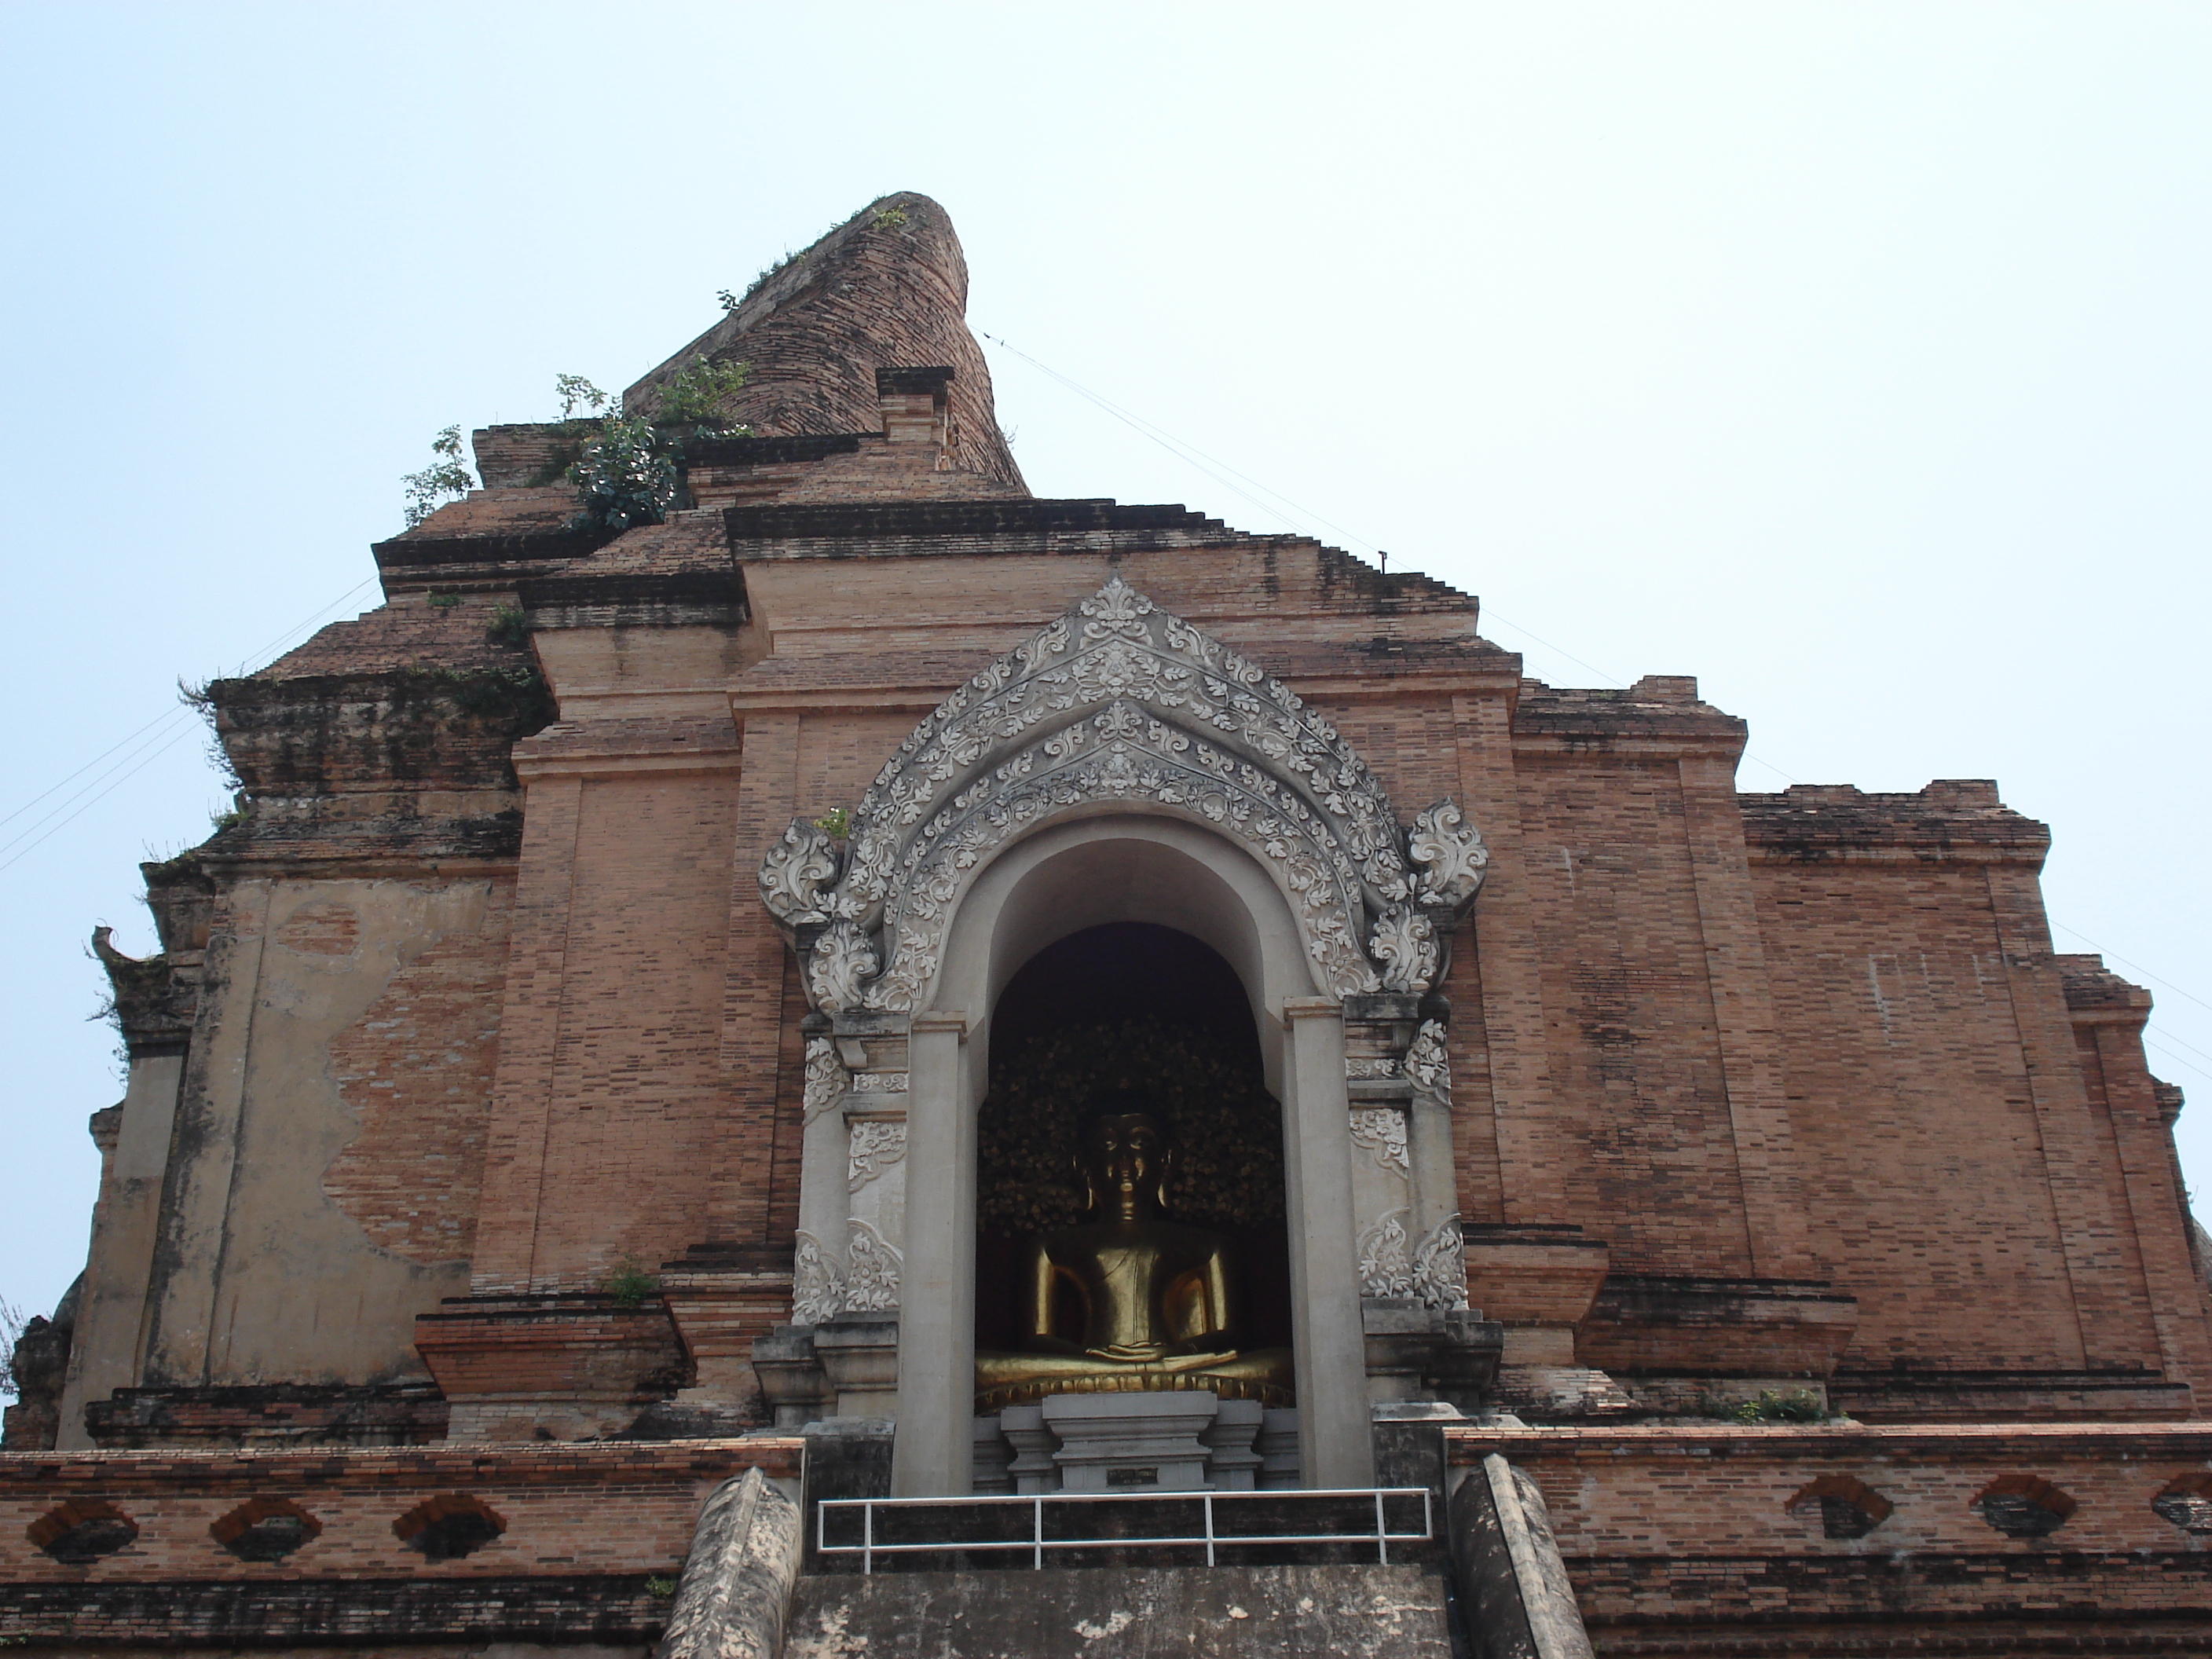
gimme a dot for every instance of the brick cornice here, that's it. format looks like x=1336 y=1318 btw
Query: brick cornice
x=2134 y=1442
x=36 y=1476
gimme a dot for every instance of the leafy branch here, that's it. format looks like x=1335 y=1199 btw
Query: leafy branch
x=447 y=478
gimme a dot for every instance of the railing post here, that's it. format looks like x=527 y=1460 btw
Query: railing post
x=1036 y=1534
x=1382 y=1535
x=1209 y=1529
x=867 y=1538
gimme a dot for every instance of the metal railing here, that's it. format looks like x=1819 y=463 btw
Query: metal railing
x=1380 y=1535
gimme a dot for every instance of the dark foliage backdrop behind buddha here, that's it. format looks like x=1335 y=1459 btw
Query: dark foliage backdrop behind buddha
x=1130 y=1008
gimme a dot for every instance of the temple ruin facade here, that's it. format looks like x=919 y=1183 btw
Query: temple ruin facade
x=599 y=1098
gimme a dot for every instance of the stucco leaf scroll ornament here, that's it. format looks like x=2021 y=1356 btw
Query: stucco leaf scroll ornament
x=1447 y=856
x=1120 y=702
x=798 y=867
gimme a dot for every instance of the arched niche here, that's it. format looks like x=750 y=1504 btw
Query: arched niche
x=1068 y=876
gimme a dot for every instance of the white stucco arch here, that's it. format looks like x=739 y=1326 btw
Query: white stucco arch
x=1118 y=765
x=1079 y=871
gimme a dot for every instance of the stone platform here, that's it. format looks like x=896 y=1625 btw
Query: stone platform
x=1108 y=1612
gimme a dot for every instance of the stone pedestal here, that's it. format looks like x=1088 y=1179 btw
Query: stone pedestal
x=792 y=1384
x=1277 y=1444
x=1032 y=1470
x=991 y=1467
x=1084 y=1442
x=1232 y=1464
x=1130 y=1442
x=860 y=1353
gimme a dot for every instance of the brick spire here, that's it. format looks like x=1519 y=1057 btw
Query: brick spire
x=886 y=289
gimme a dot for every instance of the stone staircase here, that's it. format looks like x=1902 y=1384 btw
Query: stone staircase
x=1107 y=1576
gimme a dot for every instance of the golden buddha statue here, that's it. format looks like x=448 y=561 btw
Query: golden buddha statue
x=1158 y=1298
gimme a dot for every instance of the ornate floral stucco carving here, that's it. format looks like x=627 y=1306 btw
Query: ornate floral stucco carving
x=826 y=1077
x=1405 y=943
x=817 y=1288
x=1384 y=1266
x=1447 y=856
x=839 y=967
x=1440 y=1266
x=1118 y=702
x=1381 y=1132
x=872 y=1272
x=1428 y=1062
x=795 y=870
x=876 y=1146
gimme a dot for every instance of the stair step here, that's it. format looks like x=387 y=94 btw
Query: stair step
x=1108 y=1612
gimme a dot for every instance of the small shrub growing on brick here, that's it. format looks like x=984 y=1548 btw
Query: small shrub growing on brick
x=624 y=477
x=1798 y=1406
x=627 y=1283
x=447 y=478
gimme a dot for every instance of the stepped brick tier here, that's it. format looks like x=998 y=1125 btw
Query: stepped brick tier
x=579 y=1073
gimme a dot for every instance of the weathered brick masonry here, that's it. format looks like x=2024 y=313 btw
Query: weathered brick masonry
x=467 y=1099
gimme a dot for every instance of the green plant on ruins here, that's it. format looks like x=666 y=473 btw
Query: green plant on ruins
x=1798 y=1406
x=628 y=1284
x=623 y=476
x=693 y=397
x=836 y=823
x=629 y=468
x=448 y=479
x=576 y=392
x=507 y=626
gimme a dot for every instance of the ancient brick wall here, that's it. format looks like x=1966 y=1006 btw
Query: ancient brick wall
x=1847 y=1539
x=574 y=1542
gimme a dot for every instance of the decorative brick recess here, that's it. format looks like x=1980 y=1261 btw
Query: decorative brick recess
x=1848 y=1507
x=2023 y=1506
x=2187 y=1502
x=78 y=1533
x=449 y=1525
x=265 y=1529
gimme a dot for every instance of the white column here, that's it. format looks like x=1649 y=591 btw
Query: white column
x=823 y=1161
x=932 y=1454
x=1335 y=1442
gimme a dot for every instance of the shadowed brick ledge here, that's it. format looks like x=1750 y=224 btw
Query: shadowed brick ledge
x=589 y=1541
x=1700 y=1541
x=572 y=1365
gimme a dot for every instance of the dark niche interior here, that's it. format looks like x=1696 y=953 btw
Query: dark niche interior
x=1135 y=1007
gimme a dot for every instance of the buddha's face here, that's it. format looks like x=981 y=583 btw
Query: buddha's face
x=1124 y=1156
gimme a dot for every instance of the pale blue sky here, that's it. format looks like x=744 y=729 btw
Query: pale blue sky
x=1852 y=358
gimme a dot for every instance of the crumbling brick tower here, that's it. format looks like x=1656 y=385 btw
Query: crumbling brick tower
x=470 y=1092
